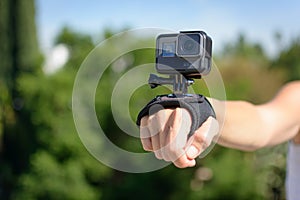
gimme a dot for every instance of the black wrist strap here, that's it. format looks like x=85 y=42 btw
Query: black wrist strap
x=197 y=105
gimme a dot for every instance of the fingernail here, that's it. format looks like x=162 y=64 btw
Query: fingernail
x=192 y=152
x=193 y=163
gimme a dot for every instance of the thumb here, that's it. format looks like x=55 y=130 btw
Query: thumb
x=202 y=138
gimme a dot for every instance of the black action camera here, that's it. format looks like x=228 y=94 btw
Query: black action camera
x=188 y=53
x=184 y=56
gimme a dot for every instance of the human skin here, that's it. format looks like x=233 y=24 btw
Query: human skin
x=243 y=126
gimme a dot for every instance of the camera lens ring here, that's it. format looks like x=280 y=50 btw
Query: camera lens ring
x=188 y=45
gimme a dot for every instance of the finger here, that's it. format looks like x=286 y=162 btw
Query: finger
x=193 y=151
x=183 y=162
x=154 y=131
x=145 y=135
x=146 y=142
x=164 y=135
x=202 y=138
x=164 y=145
x=176 y=139
x=158 y=122
x=156 y=147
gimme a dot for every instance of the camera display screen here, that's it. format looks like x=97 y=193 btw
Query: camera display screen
x=168 y=49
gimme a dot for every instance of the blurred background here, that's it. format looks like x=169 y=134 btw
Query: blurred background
x=42 y=45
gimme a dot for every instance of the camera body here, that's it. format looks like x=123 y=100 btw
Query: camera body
x=188 y=53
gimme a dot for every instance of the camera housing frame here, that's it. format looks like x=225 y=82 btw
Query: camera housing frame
x=187 y=52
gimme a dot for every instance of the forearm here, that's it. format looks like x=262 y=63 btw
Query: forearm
x=241 y=125
x=246 y=126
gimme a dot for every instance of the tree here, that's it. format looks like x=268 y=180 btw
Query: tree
x=288 y=60
x=19 y=54
x=60 y=168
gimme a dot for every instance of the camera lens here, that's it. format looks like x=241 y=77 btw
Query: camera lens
x=188 y=45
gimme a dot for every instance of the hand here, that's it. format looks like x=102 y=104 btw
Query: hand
x=165 y=133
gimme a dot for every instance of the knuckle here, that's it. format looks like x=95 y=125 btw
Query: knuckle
x=173 y=149
x=199 y=137
x=151 y=120
x=166 y=155
x=158 y=154
x=144 y=133
x=144 y=121
x=147 y=147
x=175 y=153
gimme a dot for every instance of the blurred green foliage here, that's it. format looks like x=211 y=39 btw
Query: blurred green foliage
x=42 y=157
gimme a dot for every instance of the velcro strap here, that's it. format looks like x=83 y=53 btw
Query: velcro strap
x=197 y=105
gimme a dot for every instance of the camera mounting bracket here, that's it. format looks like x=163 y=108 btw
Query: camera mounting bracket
x=180 y=82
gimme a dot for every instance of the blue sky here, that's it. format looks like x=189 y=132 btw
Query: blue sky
x=221 y=19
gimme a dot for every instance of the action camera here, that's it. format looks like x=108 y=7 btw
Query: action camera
x=188 y=53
